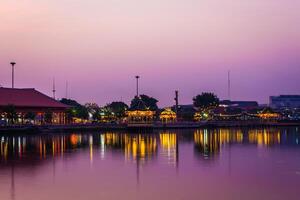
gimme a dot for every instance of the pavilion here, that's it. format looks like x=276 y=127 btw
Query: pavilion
x=29 y=100
x=168 y=116
x=139 y=115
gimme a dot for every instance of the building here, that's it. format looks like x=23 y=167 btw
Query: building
x=244 y=105
x=185 y=112
x=167 y=116
x=268 y=114
x=18 y=103
x=285 y=101
x=139 y=115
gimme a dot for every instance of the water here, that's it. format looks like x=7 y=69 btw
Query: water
x=182 y=164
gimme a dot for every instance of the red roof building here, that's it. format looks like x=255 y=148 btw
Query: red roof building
x=30 y=100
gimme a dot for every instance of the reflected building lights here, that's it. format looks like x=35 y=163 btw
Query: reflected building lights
x=91 y=148
x=140 y=148
x=102 y=147
x=168 y=142
x=207 y=143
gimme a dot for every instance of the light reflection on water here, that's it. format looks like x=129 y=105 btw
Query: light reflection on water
x=119 y=161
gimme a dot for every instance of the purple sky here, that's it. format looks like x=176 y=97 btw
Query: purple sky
x=189 y=45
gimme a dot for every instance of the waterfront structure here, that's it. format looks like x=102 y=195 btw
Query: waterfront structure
x=285 y=101
x=268 y=114
x=168 y=116
x=28 y=101
x=198 y=116
x=230 y=114
x=139 y=115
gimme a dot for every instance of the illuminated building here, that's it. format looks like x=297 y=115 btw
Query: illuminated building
x=29 y=100
x=198 y=116
x=139 y=115
x=167 y=116
x=268 y=114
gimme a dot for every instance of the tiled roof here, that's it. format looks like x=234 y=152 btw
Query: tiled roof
x=27 y=97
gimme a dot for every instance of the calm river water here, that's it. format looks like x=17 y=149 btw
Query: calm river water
x=175 y=164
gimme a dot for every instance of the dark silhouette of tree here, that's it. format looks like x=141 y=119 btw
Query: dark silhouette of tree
x=11 y=114
x=30 y=116
x=77 y=109
x=70 y=102
x=70 y=114
x=96 y=115
x=48 y=116
x=119 y=108
x=149 y=102
x=206 y=100
x=82 y=112
x=92 y=107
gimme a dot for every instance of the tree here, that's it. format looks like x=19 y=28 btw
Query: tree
x=107 y=114
x=205 y=101
x=82 y=112
x=70 y=114
x=118 y=108
x=70 y=102
x=96 y=115
x=91 y=107
x=11 y=113
x=77 y=111
x=30 y=116
x=48 y=116
x=150 y=102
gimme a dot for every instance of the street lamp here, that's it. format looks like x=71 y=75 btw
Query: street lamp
x=12 y=75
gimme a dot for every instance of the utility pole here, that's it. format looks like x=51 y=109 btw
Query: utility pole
x=137 y=85
x=13 y=75
x=67 y=87
x=176 y=103
x=53 y=88
x=229 y=95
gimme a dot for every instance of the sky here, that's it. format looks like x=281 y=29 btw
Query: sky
x=98 y=46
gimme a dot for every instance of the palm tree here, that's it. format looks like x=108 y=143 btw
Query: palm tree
x=30 y=116
x=11 y=113
x=48 y=116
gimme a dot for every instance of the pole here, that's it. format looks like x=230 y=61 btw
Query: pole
x=67 y=87
x=53 y=89
x=137 y=85
x=13 y=75
x=176 y=103
x=229 y=85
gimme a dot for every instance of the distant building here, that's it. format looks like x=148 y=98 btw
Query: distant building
x=285 y=101
x=29 y=100
x=185 y=112
x=244 y=105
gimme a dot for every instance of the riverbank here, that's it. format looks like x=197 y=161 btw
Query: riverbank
x=25 y=129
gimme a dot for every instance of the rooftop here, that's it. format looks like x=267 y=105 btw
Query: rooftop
x=27 y=97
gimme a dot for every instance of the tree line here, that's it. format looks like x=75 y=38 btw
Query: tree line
x=116 y=110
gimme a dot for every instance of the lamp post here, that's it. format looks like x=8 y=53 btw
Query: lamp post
x=137 y=85
x=13 y=74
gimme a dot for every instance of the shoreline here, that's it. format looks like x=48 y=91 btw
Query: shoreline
x=122 y=127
